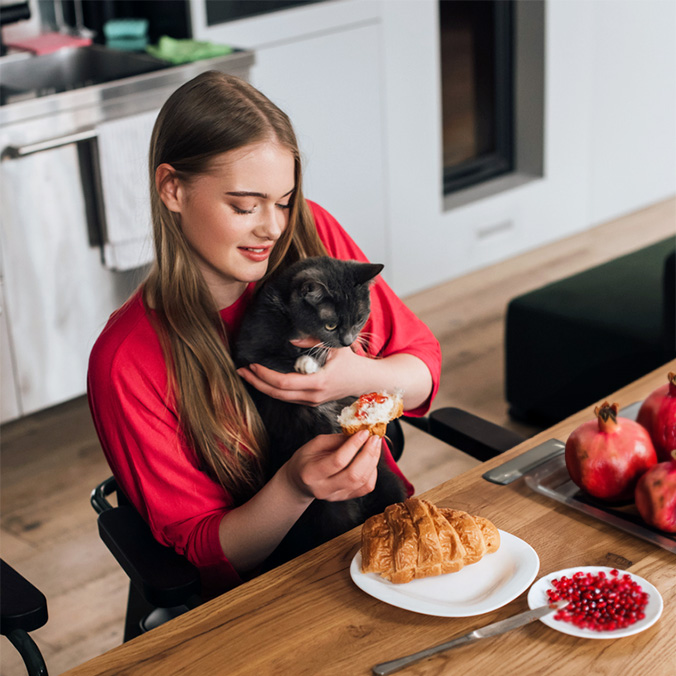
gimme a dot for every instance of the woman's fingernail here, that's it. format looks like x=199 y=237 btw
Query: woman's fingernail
x=362 y=436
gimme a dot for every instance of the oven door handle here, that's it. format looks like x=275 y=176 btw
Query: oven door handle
x=16 y=152
x=86 y=141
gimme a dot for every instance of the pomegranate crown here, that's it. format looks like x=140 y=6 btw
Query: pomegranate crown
x=607 y=411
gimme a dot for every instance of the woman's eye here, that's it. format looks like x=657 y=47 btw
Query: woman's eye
x=284 y=206
x=330 y=326
x=237 y=210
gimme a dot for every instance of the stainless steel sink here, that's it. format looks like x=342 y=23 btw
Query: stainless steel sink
x=69 y=69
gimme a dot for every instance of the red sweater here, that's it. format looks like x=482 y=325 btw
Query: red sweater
x=137 y=423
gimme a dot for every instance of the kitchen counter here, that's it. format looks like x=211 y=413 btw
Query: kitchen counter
x=145 y=90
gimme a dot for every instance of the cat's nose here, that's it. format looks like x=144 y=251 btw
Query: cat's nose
x=347 y=339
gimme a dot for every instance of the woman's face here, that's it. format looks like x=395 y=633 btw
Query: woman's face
x=233 y=216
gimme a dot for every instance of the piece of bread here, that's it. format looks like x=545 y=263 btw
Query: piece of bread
x=371 y=412
x=415 y=539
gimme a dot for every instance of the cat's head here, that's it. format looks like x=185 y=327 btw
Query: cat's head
x=330 y=299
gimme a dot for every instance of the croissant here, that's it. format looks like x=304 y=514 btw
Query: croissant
x=415 y=539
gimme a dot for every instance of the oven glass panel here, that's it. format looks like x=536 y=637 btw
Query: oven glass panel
x=476 y=41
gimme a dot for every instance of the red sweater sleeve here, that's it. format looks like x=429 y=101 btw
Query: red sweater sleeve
x=392 y=327
x=138 y=428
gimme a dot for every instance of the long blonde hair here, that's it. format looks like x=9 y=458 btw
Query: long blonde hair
x=213 y=114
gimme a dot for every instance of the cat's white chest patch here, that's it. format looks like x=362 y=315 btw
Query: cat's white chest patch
x=306 y=364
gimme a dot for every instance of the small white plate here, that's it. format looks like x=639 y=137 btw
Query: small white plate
x=537 y=596
x=479 y=588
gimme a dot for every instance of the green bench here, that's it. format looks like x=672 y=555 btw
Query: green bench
x=572 y=342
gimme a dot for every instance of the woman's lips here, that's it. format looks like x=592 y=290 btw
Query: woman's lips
x=256 y=253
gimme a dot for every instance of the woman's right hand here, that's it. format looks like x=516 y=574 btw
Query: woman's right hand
x=334 y=467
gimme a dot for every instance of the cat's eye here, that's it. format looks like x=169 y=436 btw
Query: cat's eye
x=330 y=326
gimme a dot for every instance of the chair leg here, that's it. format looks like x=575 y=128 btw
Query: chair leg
x=32 y=657
x=137 y=609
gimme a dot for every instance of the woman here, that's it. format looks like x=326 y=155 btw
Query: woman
x=173 y=415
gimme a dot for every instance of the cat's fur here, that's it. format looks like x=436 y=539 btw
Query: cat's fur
x=303 y=300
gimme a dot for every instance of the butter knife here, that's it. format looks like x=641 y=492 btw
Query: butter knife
x=494 y=629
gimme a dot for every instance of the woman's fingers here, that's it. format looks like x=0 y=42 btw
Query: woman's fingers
x=361 y=474
x=299 y=388
x=353 y=469
x=356 y=453
x=334 y=467
x=305 y=342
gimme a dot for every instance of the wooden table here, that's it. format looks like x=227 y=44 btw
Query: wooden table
x=308 y=617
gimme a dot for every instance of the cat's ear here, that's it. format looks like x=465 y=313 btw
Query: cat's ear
x=312 y=291
x=365 y=272
x=310 y=287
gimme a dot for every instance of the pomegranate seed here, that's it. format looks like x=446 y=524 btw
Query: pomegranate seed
x=599 y=602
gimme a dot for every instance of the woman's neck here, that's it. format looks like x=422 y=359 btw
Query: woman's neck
x=226 y=295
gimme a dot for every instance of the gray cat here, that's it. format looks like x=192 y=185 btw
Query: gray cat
x=327 y=299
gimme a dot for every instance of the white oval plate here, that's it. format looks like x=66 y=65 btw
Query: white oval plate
x=537 y=596
x=479 y=588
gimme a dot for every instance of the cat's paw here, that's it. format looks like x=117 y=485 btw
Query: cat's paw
x=306 y=364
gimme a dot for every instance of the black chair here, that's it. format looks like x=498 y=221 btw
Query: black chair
x=164 y=584
x=23 y=609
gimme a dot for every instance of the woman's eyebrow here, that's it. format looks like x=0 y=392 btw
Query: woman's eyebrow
x=247 y=193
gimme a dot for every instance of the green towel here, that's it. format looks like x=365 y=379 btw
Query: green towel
x=185 y=51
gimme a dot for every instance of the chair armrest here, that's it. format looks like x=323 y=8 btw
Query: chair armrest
x=23 y=605
x=471 y=434
x=99 y=496
x=23 y=608
x=165 y=578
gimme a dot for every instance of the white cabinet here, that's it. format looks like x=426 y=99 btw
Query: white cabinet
x=57 y=292
x=334 y=102
x=9 y=402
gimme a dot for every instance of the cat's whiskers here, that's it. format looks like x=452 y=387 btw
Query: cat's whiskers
x=363 y=340
x=365 y=335
x=319 y=351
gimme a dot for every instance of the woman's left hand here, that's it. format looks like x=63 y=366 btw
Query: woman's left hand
x=345 y=374
x=341 y=376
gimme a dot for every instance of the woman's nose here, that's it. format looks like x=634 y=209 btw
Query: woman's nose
x=272 y=224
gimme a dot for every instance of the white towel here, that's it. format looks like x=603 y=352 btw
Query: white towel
x=123 y=159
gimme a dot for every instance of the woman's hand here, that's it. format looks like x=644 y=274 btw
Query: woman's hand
x=345 y=374
x=334 y=467
x=329 y=467
x=340 y=377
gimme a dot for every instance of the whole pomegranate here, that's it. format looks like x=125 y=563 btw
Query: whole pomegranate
x=658 y=415
x=656 y=495
x=605 y=457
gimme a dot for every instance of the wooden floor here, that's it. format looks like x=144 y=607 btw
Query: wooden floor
x=51 y=460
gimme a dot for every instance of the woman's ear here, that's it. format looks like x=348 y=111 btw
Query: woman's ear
x=169 y=188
